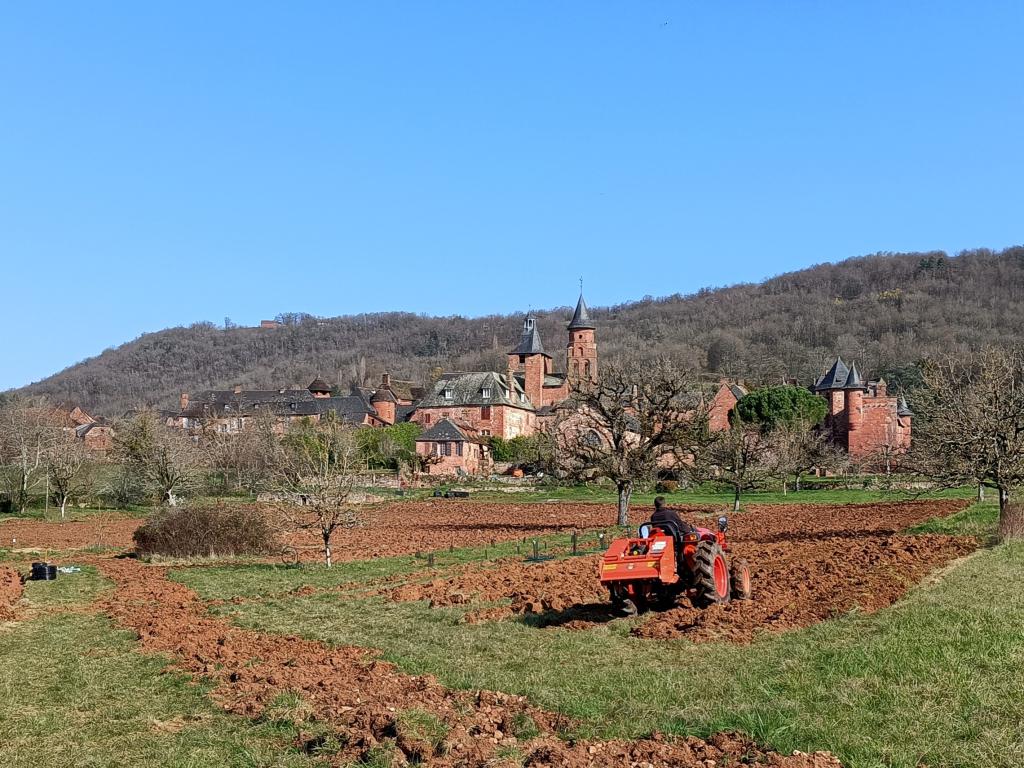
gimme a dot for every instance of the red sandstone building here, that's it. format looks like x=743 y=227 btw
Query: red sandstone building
x=864 y=418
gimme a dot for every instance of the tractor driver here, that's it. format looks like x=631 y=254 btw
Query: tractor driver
x=663 y=514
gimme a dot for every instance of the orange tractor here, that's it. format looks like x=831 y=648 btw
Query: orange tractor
x=664 y=562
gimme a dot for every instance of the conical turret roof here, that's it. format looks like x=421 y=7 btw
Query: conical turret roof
x=319 y=385
x=581 y=317
x=834 y=378
x=853 y=379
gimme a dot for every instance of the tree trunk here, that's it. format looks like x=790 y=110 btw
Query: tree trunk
x=736 y=498
x=784 y=485
x=327 y=549
x=1004 y=498
x=981 y=491
x=625 y=491
x=797 y=488
x=63 y=506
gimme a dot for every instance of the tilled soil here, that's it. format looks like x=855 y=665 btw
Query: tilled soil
x=97 y=531
x=10 y=592
x=360 y=697
x=809 y=563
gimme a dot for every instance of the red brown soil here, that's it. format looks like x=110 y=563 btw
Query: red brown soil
x=360 y=696
x=101 y=530
x=809 y=563
x=10 y=591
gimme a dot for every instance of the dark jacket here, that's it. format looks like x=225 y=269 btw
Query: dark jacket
x=669 y=515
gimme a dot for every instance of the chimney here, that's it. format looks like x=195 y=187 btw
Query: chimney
x=183 y=400
x=511 y=379
x=238 y=389
x=385 y=381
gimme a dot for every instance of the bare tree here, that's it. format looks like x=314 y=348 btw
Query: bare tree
x=66 y=460
x=969 y=425
x=795 y=449
x=316 y=470
x=742 y=457
x=170 y=461
x=637 y=417
x=27 y=428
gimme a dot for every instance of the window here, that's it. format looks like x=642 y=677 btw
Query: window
x=522 y=359
x=447 y=449
x=447 y=393
x=586 y=368
x=458 y=449
x=486 y=393
x=576 y=368
x=485 y=432
x=426 y=418
x=522 y=397
x=485 y=413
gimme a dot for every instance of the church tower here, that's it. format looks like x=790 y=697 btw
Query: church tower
x=581 y=351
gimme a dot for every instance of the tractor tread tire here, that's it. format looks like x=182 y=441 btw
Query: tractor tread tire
x=739 y=577
x=704 y=574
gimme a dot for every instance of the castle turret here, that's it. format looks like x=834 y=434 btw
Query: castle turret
x=854 y=390
x=385 y=403
x=530 y=358
x=581 y=351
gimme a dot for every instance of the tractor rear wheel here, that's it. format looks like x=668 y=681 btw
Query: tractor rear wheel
x=741 y=584
x=711 y=576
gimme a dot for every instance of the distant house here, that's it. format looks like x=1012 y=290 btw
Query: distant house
x=449 y=449
x=725 y=399
x=232 y=410
x=95 y=434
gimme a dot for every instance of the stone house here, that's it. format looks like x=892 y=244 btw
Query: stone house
x=449 y=449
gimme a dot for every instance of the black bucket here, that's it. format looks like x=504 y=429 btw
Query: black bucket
x=44 y=572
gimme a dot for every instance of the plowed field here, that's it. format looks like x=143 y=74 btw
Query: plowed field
x=809 y=563
x=10 y=591
x=362 y=698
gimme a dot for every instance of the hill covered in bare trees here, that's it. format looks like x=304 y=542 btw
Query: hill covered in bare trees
x=888 y=312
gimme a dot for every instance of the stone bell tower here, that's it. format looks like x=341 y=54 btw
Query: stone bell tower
x=581 y=351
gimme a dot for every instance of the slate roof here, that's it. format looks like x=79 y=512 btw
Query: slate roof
x=286 y=402
x=444 y=431
x=529 y=342
x=404 y=413
x=903 y=409
x=834 y=378
x=467 y=389
x=319 y=385
x=737 y=391
x=383 y=396
x=853 y=379
x=581 y=317
x=554 y=379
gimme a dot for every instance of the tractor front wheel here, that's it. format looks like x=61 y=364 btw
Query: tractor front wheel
x=741 y=585
x=711 y=576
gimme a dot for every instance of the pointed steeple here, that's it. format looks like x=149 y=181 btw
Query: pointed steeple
x=834 y=378
x=902 y=408
x=853 y=379
x=529 y=342
x=581 y=317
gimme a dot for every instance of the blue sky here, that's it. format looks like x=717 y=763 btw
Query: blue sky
x=165 y=163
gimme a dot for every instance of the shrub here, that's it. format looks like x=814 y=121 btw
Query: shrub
x=666 y=486
x=1011 y=522
x=206 y=531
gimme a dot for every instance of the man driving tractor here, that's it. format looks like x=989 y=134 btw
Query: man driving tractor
x=663 y=514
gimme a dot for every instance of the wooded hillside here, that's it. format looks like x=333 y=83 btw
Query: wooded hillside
x=887 y=312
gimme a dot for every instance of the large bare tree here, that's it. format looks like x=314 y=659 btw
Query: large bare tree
x=969 y=425
x=742 y=457
x=636 y=417
x=170 y=461
x=316 y=471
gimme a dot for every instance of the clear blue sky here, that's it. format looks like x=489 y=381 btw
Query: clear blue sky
x=164 y=163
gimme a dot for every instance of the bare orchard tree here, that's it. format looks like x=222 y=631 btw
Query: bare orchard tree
x=66 y=460
x=796 y=449
x=742 y=457
x=246 y=457
x=167 y=459
x=637 y=417
x=28 y=426
x=969 y=425
x=316 y=470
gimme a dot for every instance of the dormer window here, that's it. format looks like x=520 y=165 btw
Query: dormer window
x=522 y=397
x=486 y=393
x=447 y=393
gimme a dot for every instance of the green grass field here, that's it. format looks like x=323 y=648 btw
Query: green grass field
x=934 y=679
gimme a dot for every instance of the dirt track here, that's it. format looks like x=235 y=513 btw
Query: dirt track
x=809 y=562
x=360 y=697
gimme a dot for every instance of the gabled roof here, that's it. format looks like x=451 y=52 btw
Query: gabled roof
x=444 y=431
x=581 y=317
x=468 y=389
x=529 y=342
x=383 y=396
x=834 y=378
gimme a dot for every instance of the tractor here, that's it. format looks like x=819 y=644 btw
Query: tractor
x=664 y=562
